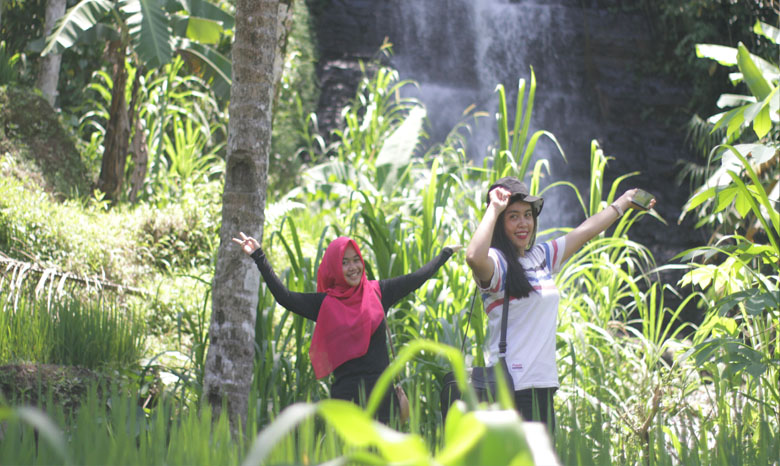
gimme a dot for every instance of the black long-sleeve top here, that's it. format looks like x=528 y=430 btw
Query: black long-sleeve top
x=308 y=305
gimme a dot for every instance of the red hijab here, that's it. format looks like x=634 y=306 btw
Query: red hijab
x=348 y=316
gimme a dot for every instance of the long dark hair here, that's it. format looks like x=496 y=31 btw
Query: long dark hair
x=517 y=281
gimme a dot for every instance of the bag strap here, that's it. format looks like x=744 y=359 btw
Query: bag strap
x=468 y=321
x=504 y=319
x=390 y=340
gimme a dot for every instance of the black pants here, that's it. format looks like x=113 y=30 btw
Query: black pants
x=536 y=404
x=357 y=390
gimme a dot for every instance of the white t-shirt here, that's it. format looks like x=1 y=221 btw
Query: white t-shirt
x=532 y=321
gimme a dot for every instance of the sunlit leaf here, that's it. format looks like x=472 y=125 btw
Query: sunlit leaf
x=726 y=56
x=752 y=75
x=733 y=100
x=77 y=19
x=203 y=30
x=770 y=32
x=700 y=198
x=398 y=149
x=350 y=421
x=742 y=204
x=762 y=123
x=725 y=198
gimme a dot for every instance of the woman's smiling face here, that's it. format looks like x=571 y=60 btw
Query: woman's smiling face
x=352 y=266
x=519 y=225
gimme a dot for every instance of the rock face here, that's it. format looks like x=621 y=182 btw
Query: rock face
x=586 y=56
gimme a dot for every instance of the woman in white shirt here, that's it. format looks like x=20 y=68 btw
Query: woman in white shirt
x=503 y=246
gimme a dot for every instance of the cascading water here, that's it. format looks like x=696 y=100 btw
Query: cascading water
x=585 y=55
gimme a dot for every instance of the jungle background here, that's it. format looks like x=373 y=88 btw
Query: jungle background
x=111 y=209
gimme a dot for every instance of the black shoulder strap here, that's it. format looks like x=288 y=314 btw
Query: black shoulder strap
x=504 y=318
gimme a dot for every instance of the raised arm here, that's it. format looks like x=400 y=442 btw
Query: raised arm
x=479 y=246
x=394 y=289
x=594 y=225
x=304 y=304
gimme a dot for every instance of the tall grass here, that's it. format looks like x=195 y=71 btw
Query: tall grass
x=68 y=331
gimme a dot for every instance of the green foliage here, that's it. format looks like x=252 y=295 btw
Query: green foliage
x=507 y=158
x=34 y=226
x=33 y=145
x=678 y=26
x=8 y=62
x=295 y=123
x=114 y=429
x=182 y=235
x=155 y=30
x=739 y=272
x=67 y=331
x=633 y=391
x=184 y=130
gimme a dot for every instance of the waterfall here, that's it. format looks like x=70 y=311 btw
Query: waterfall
x=460 y=50
x=591 y=85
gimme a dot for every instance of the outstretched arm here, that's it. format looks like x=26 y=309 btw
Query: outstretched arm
x=594 y=225
x=394 y=289
x=477 y=252
x=304 y=304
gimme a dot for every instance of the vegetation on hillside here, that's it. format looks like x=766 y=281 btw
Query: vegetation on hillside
x=634 y=390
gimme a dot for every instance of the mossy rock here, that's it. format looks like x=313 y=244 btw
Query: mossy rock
x=41 y=149
x=31 y=384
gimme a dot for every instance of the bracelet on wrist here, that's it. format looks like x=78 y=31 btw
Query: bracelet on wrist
x=617 y=209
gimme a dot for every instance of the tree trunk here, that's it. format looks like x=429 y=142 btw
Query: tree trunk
x=49 y=74
x=138 y=148
x=256 y=69
x=116 y=141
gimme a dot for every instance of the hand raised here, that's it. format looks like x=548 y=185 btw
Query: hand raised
x=499 y=198
x=626 y=200
x=247 y=243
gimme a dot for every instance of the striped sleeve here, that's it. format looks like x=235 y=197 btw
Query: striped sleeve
x=499 y=272
x=553 y=254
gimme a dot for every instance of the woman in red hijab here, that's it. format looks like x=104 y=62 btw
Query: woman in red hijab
x=350 y=337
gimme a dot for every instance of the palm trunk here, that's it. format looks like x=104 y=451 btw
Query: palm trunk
x=48 y=75
x=256 y=68
x=117 y=139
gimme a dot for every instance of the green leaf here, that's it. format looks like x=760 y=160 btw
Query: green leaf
x=149 y=30
x=733 y=100
x=742 y=204
x=754 y=300
x=206 y=10
x=216 y=66
x=398 y=149
x=205 y=31
x=77 y=19
x=752 y=75
x=273 y=433
x=726 y=56
x=503 y=128
x=763 y=120
x=728 y=117
x=699 y=198
x=725 y=198
x=770 y=32
x=352 y=423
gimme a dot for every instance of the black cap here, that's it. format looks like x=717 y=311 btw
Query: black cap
x=519 y=191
